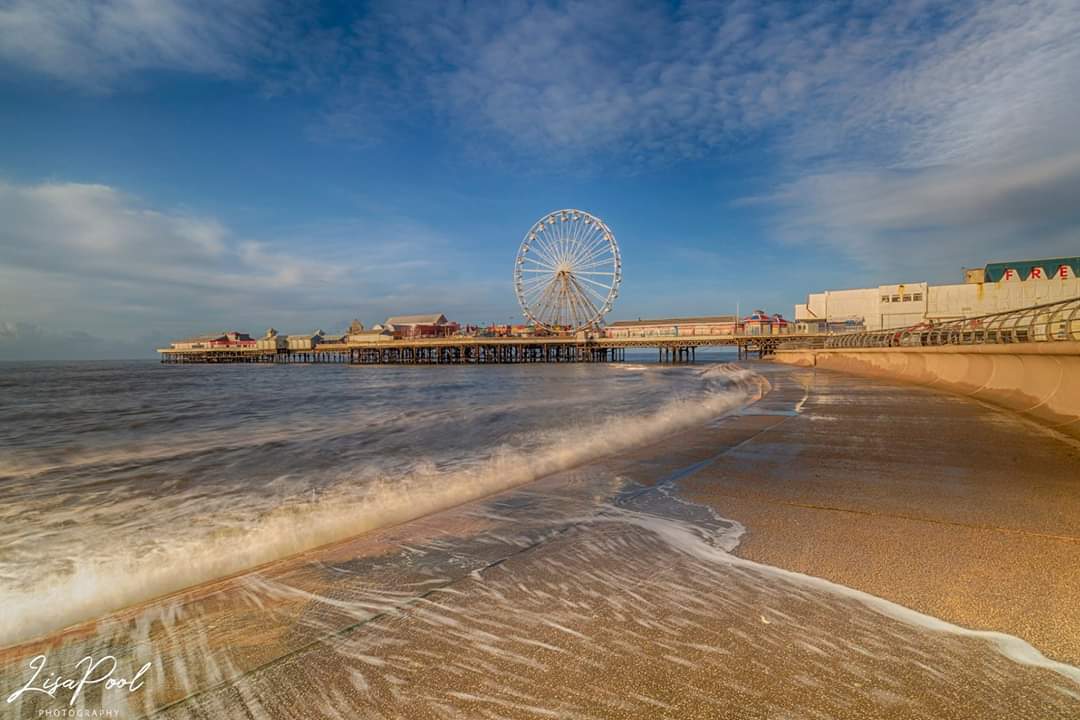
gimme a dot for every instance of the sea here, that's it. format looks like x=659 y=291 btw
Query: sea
x=430 y=541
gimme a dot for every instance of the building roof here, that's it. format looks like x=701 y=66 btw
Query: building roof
x=711 y=319
x=202 y=338
x=428 y=319
x=995 y=271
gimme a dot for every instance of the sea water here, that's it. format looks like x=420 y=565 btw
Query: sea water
x=479 y=554
x=124 y=481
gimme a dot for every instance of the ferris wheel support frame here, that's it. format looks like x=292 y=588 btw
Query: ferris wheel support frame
x=567 y=271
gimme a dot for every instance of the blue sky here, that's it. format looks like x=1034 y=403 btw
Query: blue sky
x=171 y=167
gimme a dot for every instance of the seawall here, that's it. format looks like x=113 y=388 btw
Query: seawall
x=1038 y=380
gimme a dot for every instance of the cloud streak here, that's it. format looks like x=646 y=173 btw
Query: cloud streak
x=98 y=45
x=891 y=129
x=890 y=132
x=102 y=266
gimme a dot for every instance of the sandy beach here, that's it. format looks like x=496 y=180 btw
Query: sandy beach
x=581 y=596
x=959 y=510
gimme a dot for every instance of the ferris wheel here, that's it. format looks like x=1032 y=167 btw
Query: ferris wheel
x=567 y=271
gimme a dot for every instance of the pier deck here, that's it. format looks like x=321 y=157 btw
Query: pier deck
x=484 y=350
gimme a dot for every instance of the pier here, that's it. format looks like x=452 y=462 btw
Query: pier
x=489 y=351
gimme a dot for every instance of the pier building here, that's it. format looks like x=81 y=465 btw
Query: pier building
x=760 y=322
x=425 y=325
x=994 y=288
x=681 y=327
x=304 y=342
x=271 y=341
x=757 y=323
x=370 y=337
x=222 y=340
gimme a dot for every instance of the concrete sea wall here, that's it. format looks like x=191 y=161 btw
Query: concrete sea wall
x=1039 y=380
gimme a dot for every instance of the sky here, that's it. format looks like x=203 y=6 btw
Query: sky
x=174 y=167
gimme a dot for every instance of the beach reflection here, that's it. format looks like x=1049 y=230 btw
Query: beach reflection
x=581 y=595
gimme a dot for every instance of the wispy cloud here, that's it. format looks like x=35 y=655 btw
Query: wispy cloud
x=30 y=341
x=96 y=45
x=100 y=262
x=891 y=130
x=640 y=81
x=887 y=129
x=97 y=231
x=896 y=131
x=964 y=152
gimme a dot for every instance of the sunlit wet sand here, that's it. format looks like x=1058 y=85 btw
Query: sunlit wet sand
x=957 y=509
x=596 y=592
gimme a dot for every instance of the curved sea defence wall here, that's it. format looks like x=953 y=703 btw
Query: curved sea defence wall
x=1038 y=380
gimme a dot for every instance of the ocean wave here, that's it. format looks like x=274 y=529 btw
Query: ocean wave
x=207 y=549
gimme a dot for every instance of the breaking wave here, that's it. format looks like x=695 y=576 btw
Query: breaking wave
x=213 y=543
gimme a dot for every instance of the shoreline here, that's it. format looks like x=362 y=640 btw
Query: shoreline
x=559 y=576
x=493 y=481
x=984 y=540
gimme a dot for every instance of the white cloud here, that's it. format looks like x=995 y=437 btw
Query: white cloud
x=935 y=220
x=945 y=125
x=30 y=341
x=92 y=264
x=896 y=132
x=97 y=231
x=636 y=81
x=965 y=153
x=94 y=45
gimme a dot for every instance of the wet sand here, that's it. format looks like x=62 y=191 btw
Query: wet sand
x=939 y=503
x=570 y=597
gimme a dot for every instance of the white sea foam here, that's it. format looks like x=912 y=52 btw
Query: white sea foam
x=688 y=539
x=198 y=554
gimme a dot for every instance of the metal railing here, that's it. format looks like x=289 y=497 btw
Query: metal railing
x=1057 y=321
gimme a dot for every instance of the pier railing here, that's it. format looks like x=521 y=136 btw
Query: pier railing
x=1051 y=322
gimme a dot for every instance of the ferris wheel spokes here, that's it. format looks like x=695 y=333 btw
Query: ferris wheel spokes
x=567 y=271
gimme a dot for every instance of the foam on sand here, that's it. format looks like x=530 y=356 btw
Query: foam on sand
x=93 y=589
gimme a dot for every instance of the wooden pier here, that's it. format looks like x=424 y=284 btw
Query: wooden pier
x=488 y=351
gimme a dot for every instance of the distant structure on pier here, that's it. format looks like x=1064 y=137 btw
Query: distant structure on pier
x=305 y=341
x=997 y=287
x=271 y=341
x=417 y=326
x=567 y=272
x=757 y=323
x=567 y=275
x=231 y=339
x=711 y=325
x=357 y=335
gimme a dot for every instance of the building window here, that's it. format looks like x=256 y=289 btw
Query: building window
x=907 y=298
x=896 y=298
x=885 y=298
x=917 y=297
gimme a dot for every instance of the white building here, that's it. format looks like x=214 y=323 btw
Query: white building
x=305 y=342
x=370 y=337
x=427 y=325
x=996 y=288
x=271 y=341
x=712 y=325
